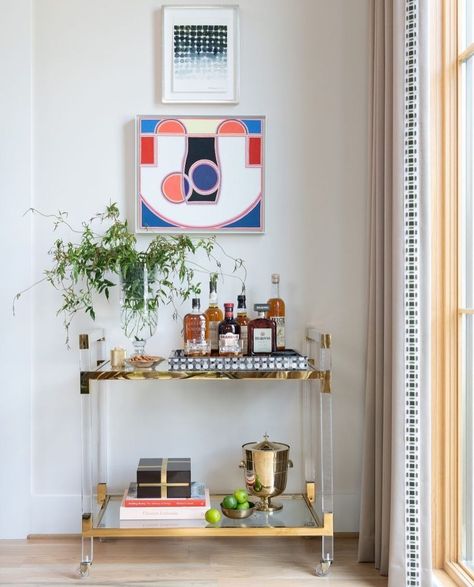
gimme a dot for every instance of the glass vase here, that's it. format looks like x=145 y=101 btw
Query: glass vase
x=139 y=305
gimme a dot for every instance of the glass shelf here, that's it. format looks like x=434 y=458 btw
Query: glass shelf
x=296 y=518
x=161 y=371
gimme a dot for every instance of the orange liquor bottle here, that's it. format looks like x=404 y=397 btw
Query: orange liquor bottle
x=213 y=314
x=276 y=312
x=196 y=335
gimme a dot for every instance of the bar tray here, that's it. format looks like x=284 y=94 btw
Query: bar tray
x=288 y=360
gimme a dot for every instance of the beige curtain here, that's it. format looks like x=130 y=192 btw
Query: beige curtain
x=394 y=530
x=374 y=530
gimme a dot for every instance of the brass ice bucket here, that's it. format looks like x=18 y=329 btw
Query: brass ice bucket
x=266 y=468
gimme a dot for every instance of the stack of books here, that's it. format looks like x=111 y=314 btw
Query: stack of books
x=164 y=512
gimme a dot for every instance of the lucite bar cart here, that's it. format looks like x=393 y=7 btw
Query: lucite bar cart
x=309 y=513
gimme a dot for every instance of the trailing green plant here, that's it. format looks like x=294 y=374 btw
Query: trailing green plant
x=106 y=254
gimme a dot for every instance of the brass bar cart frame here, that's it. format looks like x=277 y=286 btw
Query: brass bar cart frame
x=100 y=518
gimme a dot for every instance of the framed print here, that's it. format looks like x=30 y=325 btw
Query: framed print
x=200 y=54
x=201 y=174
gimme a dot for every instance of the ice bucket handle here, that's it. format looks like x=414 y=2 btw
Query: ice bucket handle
x=242 y=465
x=290 y=464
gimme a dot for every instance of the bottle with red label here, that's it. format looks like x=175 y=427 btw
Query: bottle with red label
x=230 y=343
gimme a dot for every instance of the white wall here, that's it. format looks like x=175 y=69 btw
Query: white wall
x=96 y=64
x=15 y=266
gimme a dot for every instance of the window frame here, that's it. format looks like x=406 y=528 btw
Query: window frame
x=447 y=313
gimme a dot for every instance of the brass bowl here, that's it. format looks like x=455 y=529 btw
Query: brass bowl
x=238 y=514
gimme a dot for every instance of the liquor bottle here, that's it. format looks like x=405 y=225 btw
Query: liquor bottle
x=196 y=333
x=261 y=332
x=229 y=334
x=242 y=320
x=276 y=312
x=213 y=314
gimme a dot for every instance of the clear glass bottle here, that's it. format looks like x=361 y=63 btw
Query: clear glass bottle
x=276 y=312
x=243 y=321
x=195 y=331
x=229 y=334
x=261 y=332
x=213 y=314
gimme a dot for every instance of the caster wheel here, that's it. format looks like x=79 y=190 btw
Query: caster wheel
x=84 y=569
x=323 y=568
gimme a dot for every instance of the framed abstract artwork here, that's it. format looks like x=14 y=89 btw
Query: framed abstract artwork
x=201 y=174
x=200 y=54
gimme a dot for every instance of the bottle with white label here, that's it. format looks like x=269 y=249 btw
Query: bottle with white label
x=213 y=314
x=276 y=312
x=243 y=321
x=261 y=332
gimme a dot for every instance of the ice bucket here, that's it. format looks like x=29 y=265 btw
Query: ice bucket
x=266 y=467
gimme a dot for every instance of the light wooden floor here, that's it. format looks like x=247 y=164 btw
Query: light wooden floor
x=199 y=562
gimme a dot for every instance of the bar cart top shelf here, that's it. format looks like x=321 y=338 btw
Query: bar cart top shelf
x=161 y=371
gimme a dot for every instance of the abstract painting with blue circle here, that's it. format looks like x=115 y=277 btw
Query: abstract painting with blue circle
x=200 y=174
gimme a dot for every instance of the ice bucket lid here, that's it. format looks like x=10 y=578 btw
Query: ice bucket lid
x=267 y=445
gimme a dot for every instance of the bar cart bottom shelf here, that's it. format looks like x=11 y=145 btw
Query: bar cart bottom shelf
x=297 y=518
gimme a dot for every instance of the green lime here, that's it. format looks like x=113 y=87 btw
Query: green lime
x=257 y=486
x=229 y=502
x=241 y=495
x=213 y=516
x=243 y=506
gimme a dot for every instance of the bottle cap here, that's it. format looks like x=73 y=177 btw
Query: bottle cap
x=241 y=300
x=83 y=341
x=196 y=303
x=261 y=307
x=213 y=282
x=229 y=305
x=275 y=278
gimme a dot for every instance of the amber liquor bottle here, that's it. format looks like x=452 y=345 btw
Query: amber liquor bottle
x=213 y=314
x=229 y=334
x=276 y=312
x=196 y=333
x=261 y=332
x=243 y=321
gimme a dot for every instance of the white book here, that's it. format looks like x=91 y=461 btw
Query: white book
x=164 y=513
x=163 y=523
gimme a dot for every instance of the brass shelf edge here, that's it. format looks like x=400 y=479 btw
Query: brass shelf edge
x=137 y=375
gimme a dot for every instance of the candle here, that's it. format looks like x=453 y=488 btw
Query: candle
x=117 y=358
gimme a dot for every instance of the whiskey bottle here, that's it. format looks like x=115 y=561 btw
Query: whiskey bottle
x=276 y=312
x=213 y=314
x=229 y=334
x=195 y=330
x=261 y=332
x=242 y=320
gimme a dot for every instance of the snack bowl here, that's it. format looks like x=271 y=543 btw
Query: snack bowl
x=238 y=514
x=143 y=362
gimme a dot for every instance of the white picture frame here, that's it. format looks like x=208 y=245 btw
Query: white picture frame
x=201 y=54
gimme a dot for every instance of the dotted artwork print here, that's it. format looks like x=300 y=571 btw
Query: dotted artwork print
x=200 y=51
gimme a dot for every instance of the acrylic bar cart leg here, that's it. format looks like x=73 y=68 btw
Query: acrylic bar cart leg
x=327 y=542
x=87 y=551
